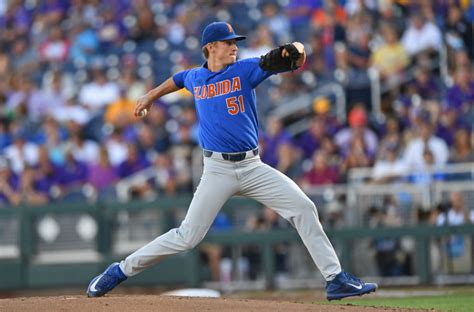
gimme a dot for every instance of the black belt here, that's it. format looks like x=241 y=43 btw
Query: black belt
x=232 y=156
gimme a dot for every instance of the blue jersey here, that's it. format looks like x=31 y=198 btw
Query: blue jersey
x=225 y=104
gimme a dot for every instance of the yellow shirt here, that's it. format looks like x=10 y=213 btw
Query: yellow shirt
x=123 y=108
x=389 y=59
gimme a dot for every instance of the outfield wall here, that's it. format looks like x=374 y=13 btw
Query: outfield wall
x=66 y=245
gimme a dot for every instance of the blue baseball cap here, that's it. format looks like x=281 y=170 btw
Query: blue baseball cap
x=219 y=31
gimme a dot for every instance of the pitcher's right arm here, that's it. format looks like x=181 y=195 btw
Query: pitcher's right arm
x=146 y=100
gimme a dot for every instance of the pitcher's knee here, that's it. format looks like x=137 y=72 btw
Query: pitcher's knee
x=190 y=236
x=307 y=204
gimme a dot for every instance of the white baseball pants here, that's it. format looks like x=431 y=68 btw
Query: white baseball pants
x=251 y=178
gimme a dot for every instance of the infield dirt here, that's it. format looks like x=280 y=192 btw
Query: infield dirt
x=141 y=303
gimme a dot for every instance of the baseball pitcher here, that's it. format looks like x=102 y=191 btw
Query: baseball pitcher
x=224 y=94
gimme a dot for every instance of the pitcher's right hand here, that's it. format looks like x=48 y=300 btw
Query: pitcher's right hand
x=143 y=102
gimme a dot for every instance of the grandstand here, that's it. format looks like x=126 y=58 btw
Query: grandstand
x=377 y=126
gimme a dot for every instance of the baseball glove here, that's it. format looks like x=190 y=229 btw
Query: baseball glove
x=274 y=61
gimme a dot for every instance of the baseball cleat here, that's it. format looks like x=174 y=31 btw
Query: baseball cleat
x=105 y=282
x=347 y=285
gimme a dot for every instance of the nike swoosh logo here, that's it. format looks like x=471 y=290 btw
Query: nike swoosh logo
x=359 y=287
x=92 y=288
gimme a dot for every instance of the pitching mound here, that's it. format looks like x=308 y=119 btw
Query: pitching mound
x=140 y=303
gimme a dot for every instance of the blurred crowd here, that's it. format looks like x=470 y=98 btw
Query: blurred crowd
x=71 y=70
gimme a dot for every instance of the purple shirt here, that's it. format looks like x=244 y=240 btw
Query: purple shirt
x=102 y=176
x=270 y=152
x=308 y=144
x=461 y=100
x=14 y=182
x=72 y=173
x=130 y=167
x=428 y=90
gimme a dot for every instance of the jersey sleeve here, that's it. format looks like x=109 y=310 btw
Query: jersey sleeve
x=180 y=79
x=254 y=72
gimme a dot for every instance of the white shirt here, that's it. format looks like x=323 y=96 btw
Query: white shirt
x=416 y=40
x=384 y=168
x=413 y=156
x=75 y=113
x=28 y=154
x=97 y=97
x=453 y=218
x=88 y=152
x=117 y=151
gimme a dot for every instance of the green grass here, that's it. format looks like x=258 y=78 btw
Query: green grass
x=458 y=301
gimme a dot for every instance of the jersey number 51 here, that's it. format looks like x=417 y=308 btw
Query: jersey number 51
x=234 y=105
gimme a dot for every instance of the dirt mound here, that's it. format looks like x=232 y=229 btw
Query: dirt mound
x=141 y=303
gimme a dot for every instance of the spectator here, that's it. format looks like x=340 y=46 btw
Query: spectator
x=156 y=119
x=116 y=146
x=72 y=112
x=330 y=9
x=9 y=185
x=268 y=220
x=26 y=58
x=458 y=31
x=165 y=176
x=55 y=48
x=389 y=12
x=102 y=175
x=96 y=95
x=299 y=13
x=358 y=49
x=272 y=139
x=425 y=84
x=357 y=128
x=461 y=151
x=413 y=155
x=335 y=213
x=311 y=138
x=133 y=163
x=428 y=173
x=46 y=174
x=289 y=161
x=385 y=248
x=84 y=43
x=16 y=21
x=30 y=101
x=129 y=81
x=457 y=214
x=33 y=189
x=391 y=58
x=147 y=143
x=330 y=33
x=120 y=112
x=448 y=123
x=421 y=36
x=391 y=136
x=461 y=95
x=84 y=150
x=70 y=178
x=260 y=43
x=214 y=253
x=111 y=32
x=181 y=153
x=277 y=22
x=320 y=173
x=21 y=153
x=58 y=87
x=388 y=167
x=4 y=62
x=358 y=155
x=322 y=109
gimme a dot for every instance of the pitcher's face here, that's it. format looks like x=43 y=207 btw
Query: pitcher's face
x=226 y=51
